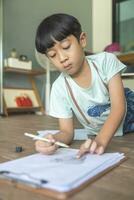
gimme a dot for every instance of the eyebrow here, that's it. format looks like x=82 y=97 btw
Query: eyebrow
x=65 y=39
x=62 y=41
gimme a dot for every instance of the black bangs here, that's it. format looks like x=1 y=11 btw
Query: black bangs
x=48 y=36
x=56 y=27
x=57 y=34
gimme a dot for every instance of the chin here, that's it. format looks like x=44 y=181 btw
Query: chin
x=72 y=74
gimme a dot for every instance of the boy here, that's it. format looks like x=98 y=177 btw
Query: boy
x=91 y=87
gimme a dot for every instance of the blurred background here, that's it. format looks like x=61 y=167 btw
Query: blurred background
x=106 y=22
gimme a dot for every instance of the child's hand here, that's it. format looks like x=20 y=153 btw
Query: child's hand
x=47 y=148
x=90 y=146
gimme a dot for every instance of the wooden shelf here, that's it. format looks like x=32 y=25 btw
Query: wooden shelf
x=23 y=109
x=33 y=72
x=11 y=93
x=127 y=58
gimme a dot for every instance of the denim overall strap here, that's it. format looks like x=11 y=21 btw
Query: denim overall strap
x=75 y=102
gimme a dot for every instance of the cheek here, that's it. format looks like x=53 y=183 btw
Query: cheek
x=77 y=51
x=78 y=55
x=56 y=64
x=53 y=61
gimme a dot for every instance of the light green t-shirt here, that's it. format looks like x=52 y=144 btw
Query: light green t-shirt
x=93 y=101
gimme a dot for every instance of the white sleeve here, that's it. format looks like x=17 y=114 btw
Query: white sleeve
x=59 y=105
x=112 y=66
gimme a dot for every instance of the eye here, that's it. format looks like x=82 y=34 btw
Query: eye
x=66 y=47
x=65 y=44
x=51 y=54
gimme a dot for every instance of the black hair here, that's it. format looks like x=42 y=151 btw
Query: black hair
x=56 y=27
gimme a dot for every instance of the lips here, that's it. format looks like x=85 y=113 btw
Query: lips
x=67 y=67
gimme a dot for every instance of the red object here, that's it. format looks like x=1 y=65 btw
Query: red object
x=114 y=47
x=18 y=101
x=23 y=101
x=28 y=101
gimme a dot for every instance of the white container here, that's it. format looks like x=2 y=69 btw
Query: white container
x=16 y=63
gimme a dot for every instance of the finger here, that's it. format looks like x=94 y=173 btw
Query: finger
x=93 y=147
x=84 y=148
x=100 y=150
x=50 y=150
x=51 y=138
x=43 y=144
x=87 y=144
x=81 y=151
x=47 y=150
x=40 y=143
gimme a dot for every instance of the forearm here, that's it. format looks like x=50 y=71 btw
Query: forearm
x=64 y=136
x=110 y=126
x=66 y=132
x=118 y=107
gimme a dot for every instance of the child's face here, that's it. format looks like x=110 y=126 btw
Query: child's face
x=68 y=55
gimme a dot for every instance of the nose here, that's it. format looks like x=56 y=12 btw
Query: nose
x=62 y=57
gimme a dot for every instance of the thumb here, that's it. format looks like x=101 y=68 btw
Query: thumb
x=51 y=138
x=100 y=150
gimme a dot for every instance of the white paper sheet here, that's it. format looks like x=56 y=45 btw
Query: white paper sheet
x=61 y=171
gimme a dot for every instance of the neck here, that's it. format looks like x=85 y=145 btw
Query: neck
x=82 y=71
x=83 y=77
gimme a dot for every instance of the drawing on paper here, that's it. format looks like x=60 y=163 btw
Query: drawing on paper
x=68 y=160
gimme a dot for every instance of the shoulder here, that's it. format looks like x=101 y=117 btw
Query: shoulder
x=59 y=82
x=108 y=65
x=102 y=57
x=58 y=87
x=106 y=61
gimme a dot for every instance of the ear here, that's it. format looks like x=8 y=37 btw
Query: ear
x=83 y=39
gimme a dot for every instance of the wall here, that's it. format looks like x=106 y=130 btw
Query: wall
x=101 y=24
x=21 y=19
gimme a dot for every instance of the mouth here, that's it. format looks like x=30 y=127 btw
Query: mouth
x=68 y=67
